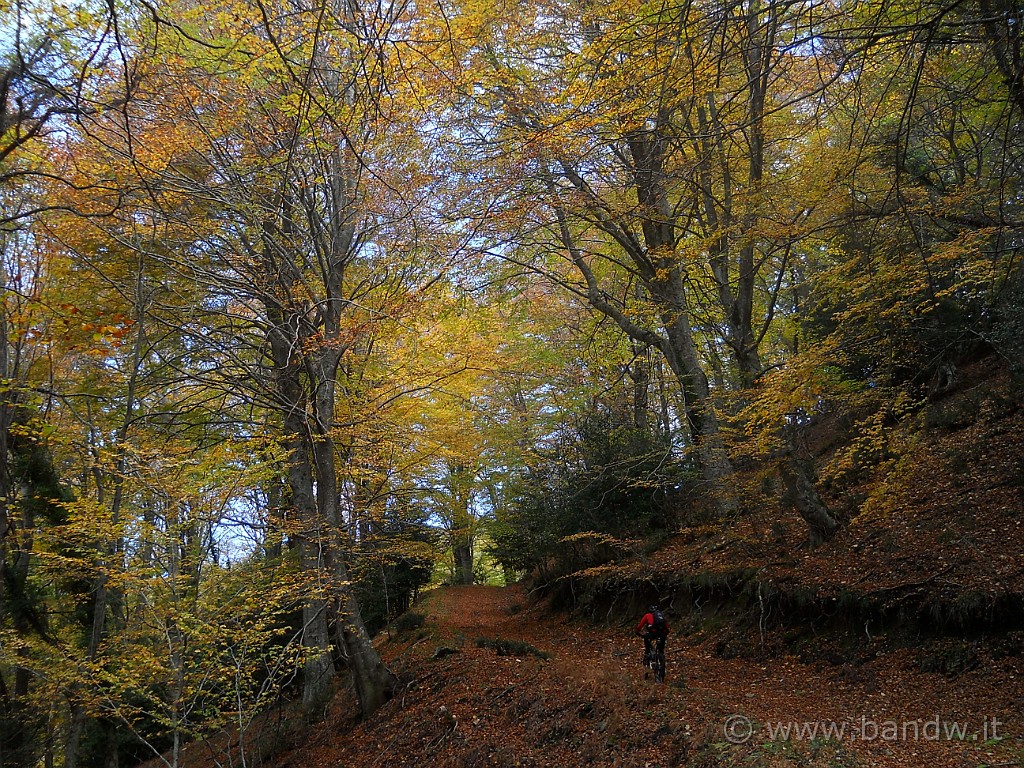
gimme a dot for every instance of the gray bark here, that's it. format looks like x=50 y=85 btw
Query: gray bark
x=285 y=342
x=307 y=350
x=664 y=285
x=373 y=682
x=801 y=492
x=463 y=554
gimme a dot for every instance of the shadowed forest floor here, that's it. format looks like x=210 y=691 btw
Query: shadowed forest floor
x=589 y=704
x=897 y=643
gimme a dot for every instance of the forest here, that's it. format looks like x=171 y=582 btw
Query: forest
x=310 y=307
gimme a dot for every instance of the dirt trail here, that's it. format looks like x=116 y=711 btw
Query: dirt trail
x=589 y=704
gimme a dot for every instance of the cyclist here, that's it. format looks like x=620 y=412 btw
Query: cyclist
x=653 y=628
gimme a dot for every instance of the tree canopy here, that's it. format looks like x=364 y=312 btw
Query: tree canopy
x=301 y=300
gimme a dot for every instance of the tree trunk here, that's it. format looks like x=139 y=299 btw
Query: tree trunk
x=735 y=289
x=315 y=639
x=802 y=494
x=681 y=355
x=639 y=373
x=1001 y=27
x=318 y=669
x=462 y=551
x=459 y=482
x=667 y=290
x=373 y=682
x=657 y=265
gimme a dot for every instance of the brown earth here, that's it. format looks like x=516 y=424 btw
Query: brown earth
x=589 y=704
x=904 y=631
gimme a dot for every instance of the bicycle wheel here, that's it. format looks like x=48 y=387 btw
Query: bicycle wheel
x=658 y=665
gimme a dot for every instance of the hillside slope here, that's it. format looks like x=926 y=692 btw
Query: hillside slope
x=589 y=704
x=900 y=642
x=930 y=496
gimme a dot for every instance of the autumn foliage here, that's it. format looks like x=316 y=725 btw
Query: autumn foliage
x=308 y=308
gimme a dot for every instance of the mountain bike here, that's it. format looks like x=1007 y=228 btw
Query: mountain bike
x=655 y=660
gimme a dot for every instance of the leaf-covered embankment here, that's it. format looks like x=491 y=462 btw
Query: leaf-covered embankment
x=464 y=703
x=931 y=502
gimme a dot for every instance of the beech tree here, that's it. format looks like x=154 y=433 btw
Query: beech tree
x=632 y=145
x=284 y=213
x=321 y=274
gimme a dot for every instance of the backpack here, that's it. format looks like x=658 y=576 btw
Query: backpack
x=658 y=625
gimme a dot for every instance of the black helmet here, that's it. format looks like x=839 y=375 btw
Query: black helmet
x=653 y=608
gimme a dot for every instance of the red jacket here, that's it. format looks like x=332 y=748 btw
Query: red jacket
x=648 y=621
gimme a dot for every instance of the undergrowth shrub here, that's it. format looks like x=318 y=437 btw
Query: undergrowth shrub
x=1007 y=334
x=409 y=621
x=510 y=647
x=954 y=413
x=605 y=476
x=397 y=562
x=951 y=661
